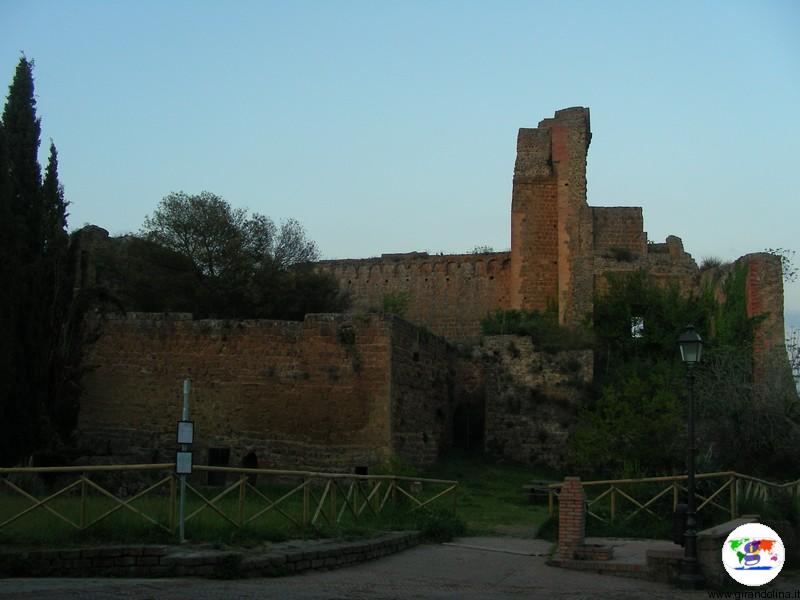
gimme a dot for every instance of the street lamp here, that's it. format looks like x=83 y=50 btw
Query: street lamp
x=691 y=345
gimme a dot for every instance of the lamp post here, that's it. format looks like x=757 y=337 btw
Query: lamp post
x=691 y=346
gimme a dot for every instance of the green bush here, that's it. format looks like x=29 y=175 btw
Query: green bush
x=542 y=327
x=440 y=525
x=634 y=429
x=396 y=303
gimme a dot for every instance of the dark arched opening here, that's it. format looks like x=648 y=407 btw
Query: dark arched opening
x=250 y=461
x=468 y=427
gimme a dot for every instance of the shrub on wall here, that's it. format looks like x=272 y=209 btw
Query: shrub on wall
x=542 y=327
x=396 y=303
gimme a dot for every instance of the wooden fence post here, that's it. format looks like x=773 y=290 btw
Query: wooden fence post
x=83 y=501
x=306 y=502
x=613 y=502
x=334 y=486
x=242 y=492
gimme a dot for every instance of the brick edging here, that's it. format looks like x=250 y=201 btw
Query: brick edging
x=634 y=570
x=177 y=561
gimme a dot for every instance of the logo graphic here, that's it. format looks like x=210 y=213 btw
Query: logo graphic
x=753 y=554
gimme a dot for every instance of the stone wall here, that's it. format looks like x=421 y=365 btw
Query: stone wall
x=422 y=394
x=448 y=294
x=279 y=559
x=532 y=399
x=312 y=394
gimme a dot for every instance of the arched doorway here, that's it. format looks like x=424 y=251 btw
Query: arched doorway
x=468 y=426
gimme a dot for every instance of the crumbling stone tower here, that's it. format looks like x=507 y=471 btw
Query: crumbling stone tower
x=551 y=223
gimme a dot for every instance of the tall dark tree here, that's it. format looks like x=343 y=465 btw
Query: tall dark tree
x=9 y=265
x=35 y=294
x=23 y=130
x=54 y=209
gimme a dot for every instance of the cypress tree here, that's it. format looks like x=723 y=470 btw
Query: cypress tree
x=9 y=265
x=33 y=242
x=60 y=399
x=55 y=238
x=23 y=130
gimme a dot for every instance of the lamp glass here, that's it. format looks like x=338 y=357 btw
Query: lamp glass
x=691 y=345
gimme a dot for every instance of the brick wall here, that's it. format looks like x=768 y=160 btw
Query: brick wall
x=764 y=294
x=550 y=223
x=618 y=228
x=312 y=394
x=448 y=294
x=422 y=394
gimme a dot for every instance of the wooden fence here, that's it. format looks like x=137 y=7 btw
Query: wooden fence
x=727 y=487
x=320 y=497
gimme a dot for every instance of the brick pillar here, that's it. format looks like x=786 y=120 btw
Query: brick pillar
x=571 y=517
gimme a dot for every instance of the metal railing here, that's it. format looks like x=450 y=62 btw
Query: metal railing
x=313 y=497
x=738 y=486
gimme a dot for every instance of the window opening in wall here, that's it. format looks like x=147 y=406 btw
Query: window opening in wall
x=637 y=327
x=218 y=457
x=250 y=461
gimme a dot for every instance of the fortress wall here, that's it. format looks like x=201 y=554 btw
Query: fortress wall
x=571 y=135
x=448 y=294
x=551 y=228
x=312 y=394
x=534 y=243
x=422 y=394
x=764 y=296
x=618 y=228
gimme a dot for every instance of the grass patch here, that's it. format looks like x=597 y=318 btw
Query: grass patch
x=490 y=497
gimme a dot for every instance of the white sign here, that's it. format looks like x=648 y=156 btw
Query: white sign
x=185 y=432
x=183 y=463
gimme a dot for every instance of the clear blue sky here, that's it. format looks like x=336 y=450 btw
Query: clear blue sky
x=391 y=126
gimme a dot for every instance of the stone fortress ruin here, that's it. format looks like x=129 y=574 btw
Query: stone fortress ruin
x=358 y=389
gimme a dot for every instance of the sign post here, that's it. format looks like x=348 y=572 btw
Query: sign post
x=183 y=457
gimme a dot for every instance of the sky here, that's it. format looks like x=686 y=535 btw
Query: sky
x=391 y=126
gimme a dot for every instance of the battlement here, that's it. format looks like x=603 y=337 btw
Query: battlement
x=447 y=293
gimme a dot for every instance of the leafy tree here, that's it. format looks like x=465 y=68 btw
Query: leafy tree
x=244 y=264
x=222 y=240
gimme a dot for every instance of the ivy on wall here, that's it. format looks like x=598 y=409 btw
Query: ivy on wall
x=635 y=423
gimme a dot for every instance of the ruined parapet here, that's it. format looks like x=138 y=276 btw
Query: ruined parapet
x=83 y=249
x=756 y=280
x=447 y=293
x=764 y=298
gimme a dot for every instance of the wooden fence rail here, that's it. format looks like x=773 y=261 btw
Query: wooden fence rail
x=323 y=497
x=738 y=487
